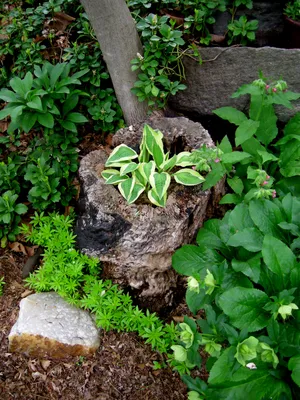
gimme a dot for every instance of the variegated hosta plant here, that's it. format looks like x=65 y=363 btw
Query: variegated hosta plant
x=150 y=171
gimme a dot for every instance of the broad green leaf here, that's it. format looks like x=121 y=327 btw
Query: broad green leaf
x=127 y=168
x=153 y=197
x=209 y=235
x=252 y=146
x=245 y=308
x=120 y=154
x=231 y=114
x=137 y=190
x=225 y=145
x=5 y=112
x=147 y=170
x=245 y=131
x=35 y=104
x=17 y=85
x=169 y=164
x=21 y=209
x=77 y=118
x=247 y=89
x=239 y=218
x=267 y=156
x=70 y=103
x=249 y=238
x=231 y=199
x=250 y=268
x=188 y=177
x=291 y=206
x=28 y=121
x=292 y=127
x=115 y=179
x=69 y=126
x=8 y=96
x=196 y=301
x=214 y=176
x=154 y=144
x=267 y=130
x=16 y=112
x=235 y=157
x=190 y=260
x=278 y=257
x=160 y=182
x=46 y=120
x=222 y=368
x=56 y=72
x=266 y=215
x=294 y=366
x=236 y=184
x=107 y=173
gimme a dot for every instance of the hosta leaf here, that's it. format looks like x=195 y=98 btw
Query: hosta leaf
x=231 y=114
x=137 y=190
x=245 y=131
x=120 y=154
x=107 y=173
x=153 y=197
x=245 y=308
x=127 y=168
x=154 y=144
x=169 y=164
x=116 y=179
x=160 y=183
x=184 y=159
x=126 y=187
x=147 y=170
x=188 y=177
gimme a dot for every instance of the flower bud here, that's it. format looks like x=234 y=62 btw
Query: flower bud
x=246 y=350
x=180 y=353
x=268 y=354
x=210 y=282
x=186 y=335
x=193 y=284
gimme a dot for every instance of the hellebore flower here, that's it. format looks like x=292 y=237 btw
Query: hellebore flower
x=246 y=350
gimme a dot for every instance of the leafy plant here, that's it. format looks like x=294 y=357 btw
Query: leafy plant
x=75 y=277
x=292 y=10
x=245 y=274
x=241 y=30
x=152 y=176
x=10 y=212
x=2 y=283
x=264 y=166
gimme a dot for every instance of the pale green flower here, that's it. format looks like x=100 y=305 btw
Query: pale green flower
x=193 y=284
x=211 y=347
x=268 y=354
x=210 y=282
x=246 y=350
x=180 y=353
x=286 y=311
x=186 y=335
x=194 y=395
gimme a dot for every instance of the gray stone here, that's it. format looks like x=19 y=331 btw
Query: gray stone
x=135 y=242
x=224 y=70
x=49 y=326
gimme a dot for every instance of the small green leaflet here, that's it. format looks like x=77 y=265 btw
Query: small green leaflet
x=120 y=154
x=231 y=114
x=188 y=177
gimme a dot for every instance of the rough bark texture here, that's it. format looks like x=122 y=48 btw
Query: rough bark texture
x=119 y=41
x=211 y=84
x=135 y=242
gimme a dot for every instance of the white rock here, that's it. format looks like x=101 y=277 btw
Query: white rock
x=49 y=326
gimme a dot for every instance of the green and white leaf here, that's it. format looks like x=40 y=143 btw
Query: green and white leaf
x=120 y=154
x=153 y=197
x=127 y=168
x=188 y=177
x=160 y=182
x=184 y=159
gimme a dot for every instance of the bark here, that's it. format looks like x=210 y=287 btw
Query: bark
x=119 y=41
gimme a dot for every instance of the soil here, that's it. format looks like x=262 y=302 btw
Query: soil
x=121 y=368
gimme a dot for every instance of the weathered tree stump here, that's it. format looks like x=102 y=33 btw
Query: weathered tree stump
x=135 y=242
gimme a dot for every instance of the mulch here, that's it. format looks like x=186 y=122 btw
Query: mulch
x=121 y=368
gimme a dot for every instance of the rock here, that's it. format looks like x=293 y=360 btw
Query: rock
x=224 y=70
x=49 y=326
x=135 y=242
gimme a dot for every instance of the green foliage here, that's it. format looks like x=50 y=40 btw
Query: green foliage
x=75 y=277
x=245 y=274
x=266 y=164
x=242 y=31
x=2 y=283
x=152 y=176
x=292 y=10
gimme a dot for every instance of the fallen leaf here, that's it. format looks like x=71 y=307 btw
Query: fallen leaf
x=26 y=293
x=31 y=250
x=18 y=248
x=37 y=374
x=178 y=319
x=45 y=364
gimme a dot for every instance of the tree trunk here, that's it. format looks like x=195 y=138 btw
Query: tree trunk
x=119 y=41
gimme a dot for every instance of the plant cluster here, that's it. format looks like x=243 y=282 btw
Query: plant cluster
x=161 y=67
x=292 y=10
x=75 y=277
x=244 y=272
x=150 y=176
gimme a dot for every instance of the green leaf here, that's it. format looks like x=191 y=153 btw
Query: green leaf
x=214 y=176
x=294 y=366
x=231 y=114
x=266 y=215
x=153 y=197
x=250 y=268
x=28 y=121
x=46 y=120
x=189 y=260
x=209 y=235
x=278 y=257
x=126 y=187
x=249 y=238
x=5 y=112
x=267 y=156
x=16 y=112
x=8 y=96
x=225 y=145
x=236 y=184
x=245 y=131
x=245 y=308
x=127 y=168
x=107 y=173
x=70 y=103
x=120 y=154
x=27 y=82
x=154 y=144
x=230 y=199
x=69 y=126
x=56 y=72
x=21 y=209
x=36 y=104
x=188 y=177
x=267 y=130
x=17 y=85
x=235 y=157
x=77 y=118
x=160 y=182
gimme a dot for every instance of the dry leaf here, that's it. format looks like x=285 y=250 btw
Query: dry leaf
x=18 y=248
x=37 y=374
x=45 y=364
x=178 y=319
x=31 y=250
x=26 y=293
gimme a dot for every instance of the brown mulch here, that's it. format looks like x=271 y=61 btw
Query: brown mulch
x=121 y=368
